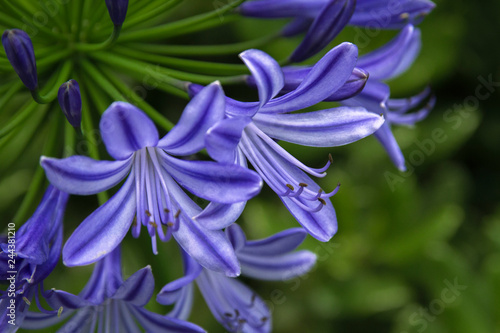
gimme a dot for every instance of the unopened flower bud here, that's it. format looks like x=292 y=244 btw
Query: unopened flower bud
x=19 y=51
x=70 y=101
x=117 y=10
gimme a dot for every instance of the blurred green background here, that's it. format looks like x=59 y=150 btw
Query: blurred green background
x=416 y=251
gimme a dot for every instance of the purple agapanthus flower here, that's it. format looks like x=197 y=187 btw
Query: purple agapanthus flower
x=151 y=191
x=382 y=64
x=107 y=303
x=27 y=261
x=231 y=302
x=250 y=128
x=322 y=20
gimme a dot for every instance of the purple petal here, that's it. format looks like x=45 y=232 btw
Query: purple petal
x=137 y=289
x=211 y=249
x=232 y=303
x=33 y=237
x=184 y=303
x=213 y=181
x=171 y=292
x=153 y=322
x=401 y=105
x=327 y=76
x=217 y=216
x=373 y=97
x=281 y=8
x=353 y=86
x=322 y=225
x=325 y=128
x=58 y=298
x=236 y=236
x=388 y=14
x=333 y=17
x=394 y=57
x=126 y=129
x=386 y=138
x=222 y=139
x=280 y=243
x=266 y=73
x=297 y=26
x=83 y=175
x=104 y=229
x=38 y=320
x=202 y=112
x=277 y=268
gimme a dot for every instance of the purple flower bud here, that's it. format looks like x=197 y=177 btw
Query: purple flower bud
x=117 y=10
x=19 y=50
x=70 y=101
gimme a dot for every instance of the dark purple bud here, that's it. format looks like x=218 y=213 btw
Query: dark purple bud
x=117 y=10
x=70 y=101
x=19 y=51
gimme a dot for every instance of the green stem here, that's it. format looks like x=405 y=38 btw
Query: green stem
x=19 y=118
x=39 y=176
x=70 y=139
x=52 y=93
x=150 y=12
x=101 y=46
x=190 y=24
x=26 y=22
x=87 y=129
x=13 y=89
x=170 y=76
x=202 y=67
x=202 y=50
x=99 y=79
x=53 y=58
x=141 y=67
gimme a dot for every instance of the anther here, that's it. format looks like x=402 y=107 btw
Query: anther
x=153 y=223
x=264 y=319
x=227 y=314
x=322 y=201
x=134 y=223
x=148 y=213
x=404 y=16
x=303 y=185
x=59 y=312
x=290 y=186
x=254 y=296
x=166 y=210
x=26 y=300
x=330 y=158
x=177 y=213
x=170 y=224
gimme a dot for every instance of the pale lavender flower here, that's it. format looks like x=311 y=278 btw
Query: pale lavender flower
x=232 y=303
x=151 y=195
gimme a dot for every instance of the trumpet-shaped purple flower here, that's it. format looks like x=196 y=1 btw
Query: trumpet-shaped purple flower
x=383 y=64
x=231 y=302
x=322 y=20
x=28 y=256
x=108 y=303
x=151 y=191
x=250 y=128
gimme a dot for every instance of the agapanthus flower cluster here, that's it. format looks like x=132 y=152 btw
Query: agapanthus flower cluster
x=192 y=183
